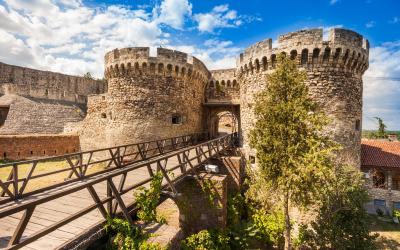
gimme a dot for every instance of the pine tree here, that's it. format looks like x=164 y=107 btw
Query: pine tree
x=293 y=152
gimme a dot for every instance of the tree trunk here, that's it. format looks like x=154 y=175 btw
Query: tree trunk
x=288 y=243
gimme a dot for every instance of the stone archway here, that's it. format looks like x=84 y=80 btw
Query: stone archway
x=223 y=123
x=221 y=119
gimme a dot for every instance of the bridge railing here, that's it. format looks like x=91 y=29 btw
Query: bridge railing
x=181 y=163
x=28 y=177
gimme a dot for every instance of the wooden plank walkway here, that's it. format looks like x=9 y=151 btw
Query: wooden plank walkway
x=56 y=210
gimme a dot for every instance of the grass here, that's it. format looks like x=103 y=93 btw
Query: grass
x=42 y=168
x=389 y=233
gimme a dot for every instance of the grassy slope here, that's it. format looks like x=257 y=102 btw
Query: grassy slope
x=389 y=233
x=45 y=167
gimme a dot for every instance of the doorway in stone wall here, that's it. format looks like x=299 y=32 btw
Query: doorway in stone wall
x=3 y=114
x=224 y=123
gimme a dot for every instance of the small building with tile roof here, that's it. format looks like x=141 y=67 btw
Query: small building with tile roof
x=380 y=162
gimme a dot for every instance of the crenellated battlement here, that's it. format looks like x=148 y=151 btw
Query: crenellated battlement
x=225 y=77
x=137 y=61
x=344 y=49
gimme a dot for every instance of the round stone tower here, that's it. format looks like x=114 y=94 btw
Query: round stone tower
x=151 y=97
x=334 y=68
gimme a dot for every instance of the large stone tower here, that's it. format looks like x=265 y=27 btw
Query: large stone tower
x=334 y=67
x=148 y=98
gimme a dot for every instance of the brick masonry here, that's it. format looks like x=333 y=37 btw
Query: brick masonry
x=17 y=147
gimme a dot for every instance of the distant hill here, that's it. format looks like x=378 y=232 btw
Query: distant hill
x=370 y=133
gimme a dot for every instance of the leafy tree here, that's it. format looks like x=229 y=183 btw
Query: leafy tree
x=88 y=76
x=292 y=151
x=341 y=221
x=381 y=128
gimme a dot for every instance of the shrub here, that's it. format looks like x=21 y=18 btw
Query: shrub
x=206 y=240
x=127 y=237
x=236 y=209
x=342 y=221
x=269 y=227
x=396 y=213
x=147 y=200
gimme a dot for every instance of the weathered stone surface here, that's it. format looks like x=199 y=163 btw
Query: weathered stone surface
x=47 y=85
x=334 y=67
x=200 y=209
x=144 y=95
x=37 y=116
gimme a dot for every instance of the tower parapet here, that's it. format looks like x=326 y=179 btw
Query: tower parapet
x=137 y=61
x=148 y=97
x=344 y=49
x=334 y=68
x=223 y=86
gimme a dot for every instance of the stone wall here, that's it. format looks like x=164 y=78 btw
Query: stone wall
x=48 y=85
x=148 y=98
x=37 y=116
x=202 y=203
x=334 y=68
x=388 y=193
x=18 y=147
x=223 y=87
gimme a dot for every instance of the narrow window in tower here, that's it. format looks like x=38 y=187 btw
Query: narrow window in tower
x=252 y=159
x=176 y=119
x=358 y=125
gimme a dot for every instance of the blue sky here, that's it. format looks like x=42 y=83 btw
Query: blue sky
x=71 y=36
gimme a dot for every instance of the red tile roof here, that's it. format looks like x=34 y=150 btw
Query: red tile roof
x=380 y=153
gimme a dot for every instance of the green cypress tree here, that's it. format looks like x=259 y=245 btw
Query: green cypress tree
x=293 y=152
x=381 y=128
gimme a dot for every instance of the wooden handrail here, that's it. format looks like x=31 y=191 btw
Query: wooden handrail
x=202 y=153
x=80 y=162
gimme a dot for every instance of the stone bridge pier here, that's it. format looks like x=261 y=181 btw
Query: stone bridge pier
x=202 y=198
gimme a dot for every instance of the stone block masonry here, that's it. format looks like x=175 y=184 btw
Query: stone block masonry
x=47 y=85
x=202 y=203
x=18 y=147
x=148 y=98
x=172 y=93
x=37 y=116
x=334 y=68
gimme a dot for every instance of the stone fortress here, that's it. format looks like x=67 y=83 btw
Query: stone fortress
x=172 y=94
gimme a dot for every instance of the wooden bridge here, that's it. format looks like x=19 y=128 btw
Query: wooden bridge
x=37 y=215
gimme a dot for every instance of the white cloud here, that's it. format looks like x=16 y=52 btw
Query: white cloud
x=382 y=86
x=220 y=17
x=174 y=12
x=69 y=37
x=332 y=2
x=370 y=24
x=395 y=20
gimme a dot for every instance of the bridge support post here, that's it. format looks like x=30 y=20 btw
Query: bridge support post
x=202 y=203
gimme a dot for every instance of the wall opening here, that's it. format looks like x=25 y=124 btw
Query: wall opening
x=223 y=123
x=358 y=125
x=378 y=179
x=3 y=114
x=176 y=119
